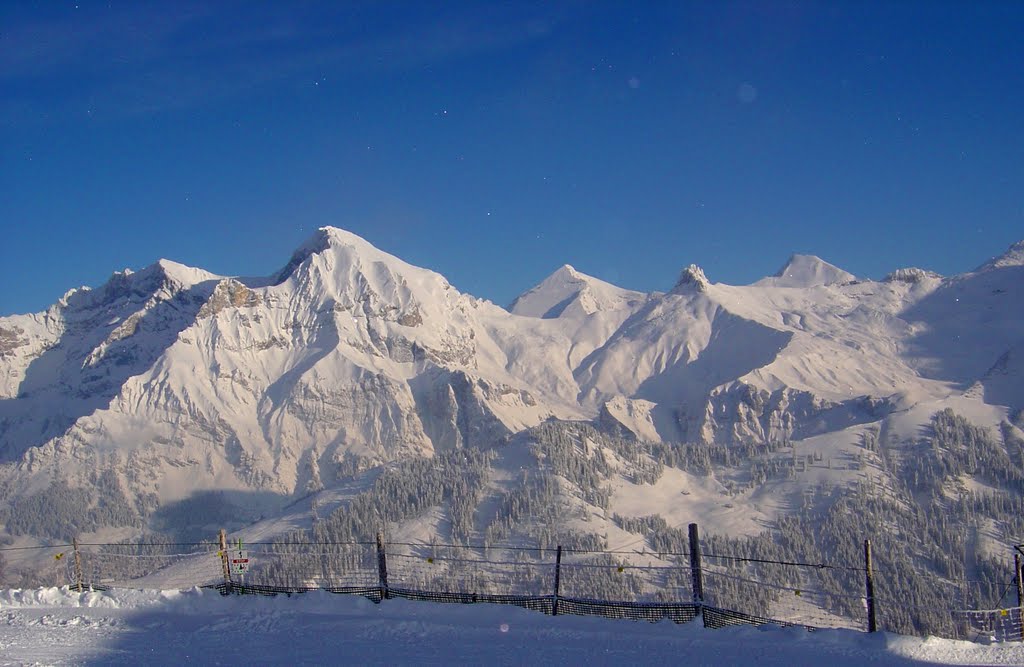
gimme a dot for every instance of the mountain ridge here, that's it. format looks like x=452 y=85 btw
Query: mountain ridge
x=167 y=385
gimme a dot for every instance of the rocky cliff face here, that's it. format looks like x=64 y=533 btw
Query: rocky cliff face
x=741 y=413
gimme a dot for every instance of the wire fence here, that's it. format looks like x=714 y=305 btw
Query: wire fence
x=963 y=618
x=720 y=589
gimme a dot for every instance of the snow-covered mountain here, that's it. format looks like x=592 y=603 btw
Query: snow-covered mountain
x=209 y=382
x=569 y=293
x=807 y=271
x=172 y=382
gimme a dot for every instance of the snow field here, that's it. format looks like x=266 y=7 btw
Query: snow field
x=121 y=627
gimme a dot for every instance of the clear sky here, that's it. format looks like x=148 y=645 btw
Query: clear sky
x=494 y=142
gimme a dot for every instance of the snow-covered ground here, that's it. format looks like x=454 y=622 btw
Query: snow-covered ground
x=57 y=626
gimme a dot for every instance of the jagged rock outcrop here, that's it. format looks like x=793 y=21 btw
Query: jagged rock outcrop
x=742 y=413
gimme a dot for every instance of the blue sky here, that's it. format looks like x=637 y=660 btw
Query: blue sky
x=493 y=142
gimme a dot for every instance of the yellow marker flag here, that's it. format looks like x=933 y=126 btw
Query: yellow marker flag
x=430 y=560
x=59 y=556
x=1003 y=612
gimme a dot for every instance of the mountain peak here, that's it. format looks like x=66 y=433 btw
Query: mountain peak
x=565 y=287
x=337 y=265
x=1014 y=256
x=692 y=275
x=911 y=275
x=550 y=297
x=339 y=236
x=567 y=271
x=323 y=239
x=162 y=274
x=807 y=271
x=181 y=274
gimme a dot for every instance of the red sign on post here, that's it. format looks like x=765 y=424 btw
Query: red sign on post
x=239 y=561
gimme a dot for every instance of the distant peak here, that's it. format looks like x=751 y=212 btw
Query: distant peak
x=163 y=276
x=798 y=263
x=174 y=273
x=162 y=271
x=807 y=271
x=167 y=264
x=342 y=262
x=569 y=290
x=335 y=235
x=567 y=271
x=692 y=275
x=1014 y=256
x=172 y=268
x=65 y=300
x=564 y=284
x=323 y=239
x=912 y=275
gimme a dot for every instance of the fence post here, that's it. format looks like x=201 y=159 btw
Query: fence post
x=78 y=565
x=695 y=567
x=226 y=570
x=1020 y=591
x=558 y=580
x=869 y=587
x=382 y=568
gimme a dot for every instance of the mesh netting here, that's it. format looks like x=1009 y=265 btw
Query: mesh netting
x=298 y=566
x=543 y=604
x=958 y=610
x=599 y=576
x=148 y=566
x=372 y=592
x=788 y=593
x=991 y=625
x=795 y=604
x=637 y=611
x=275 y=567
x=648 y=586
x=463 y=571
x=722 y=618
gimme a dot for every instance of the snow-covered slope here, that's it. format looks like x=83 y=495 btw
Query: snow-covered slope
x=586 y=310
x=71 y=360
x=1003 y=384
x=58 y=627
x=1014 y=256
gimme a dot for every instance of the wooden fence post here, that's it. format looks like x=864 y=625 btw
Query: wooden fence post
x=558 y=580
x=695 y=566
x=78 y=565
x=1020 y=591
x=869 y=587
x=225 y=568
x=382 y=568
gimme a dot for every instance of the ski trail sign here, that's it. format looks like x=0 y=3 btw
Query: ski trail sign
x=239 y=561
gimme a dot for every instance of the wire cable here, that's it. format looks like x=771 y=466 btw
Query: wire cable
x=41 y=546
